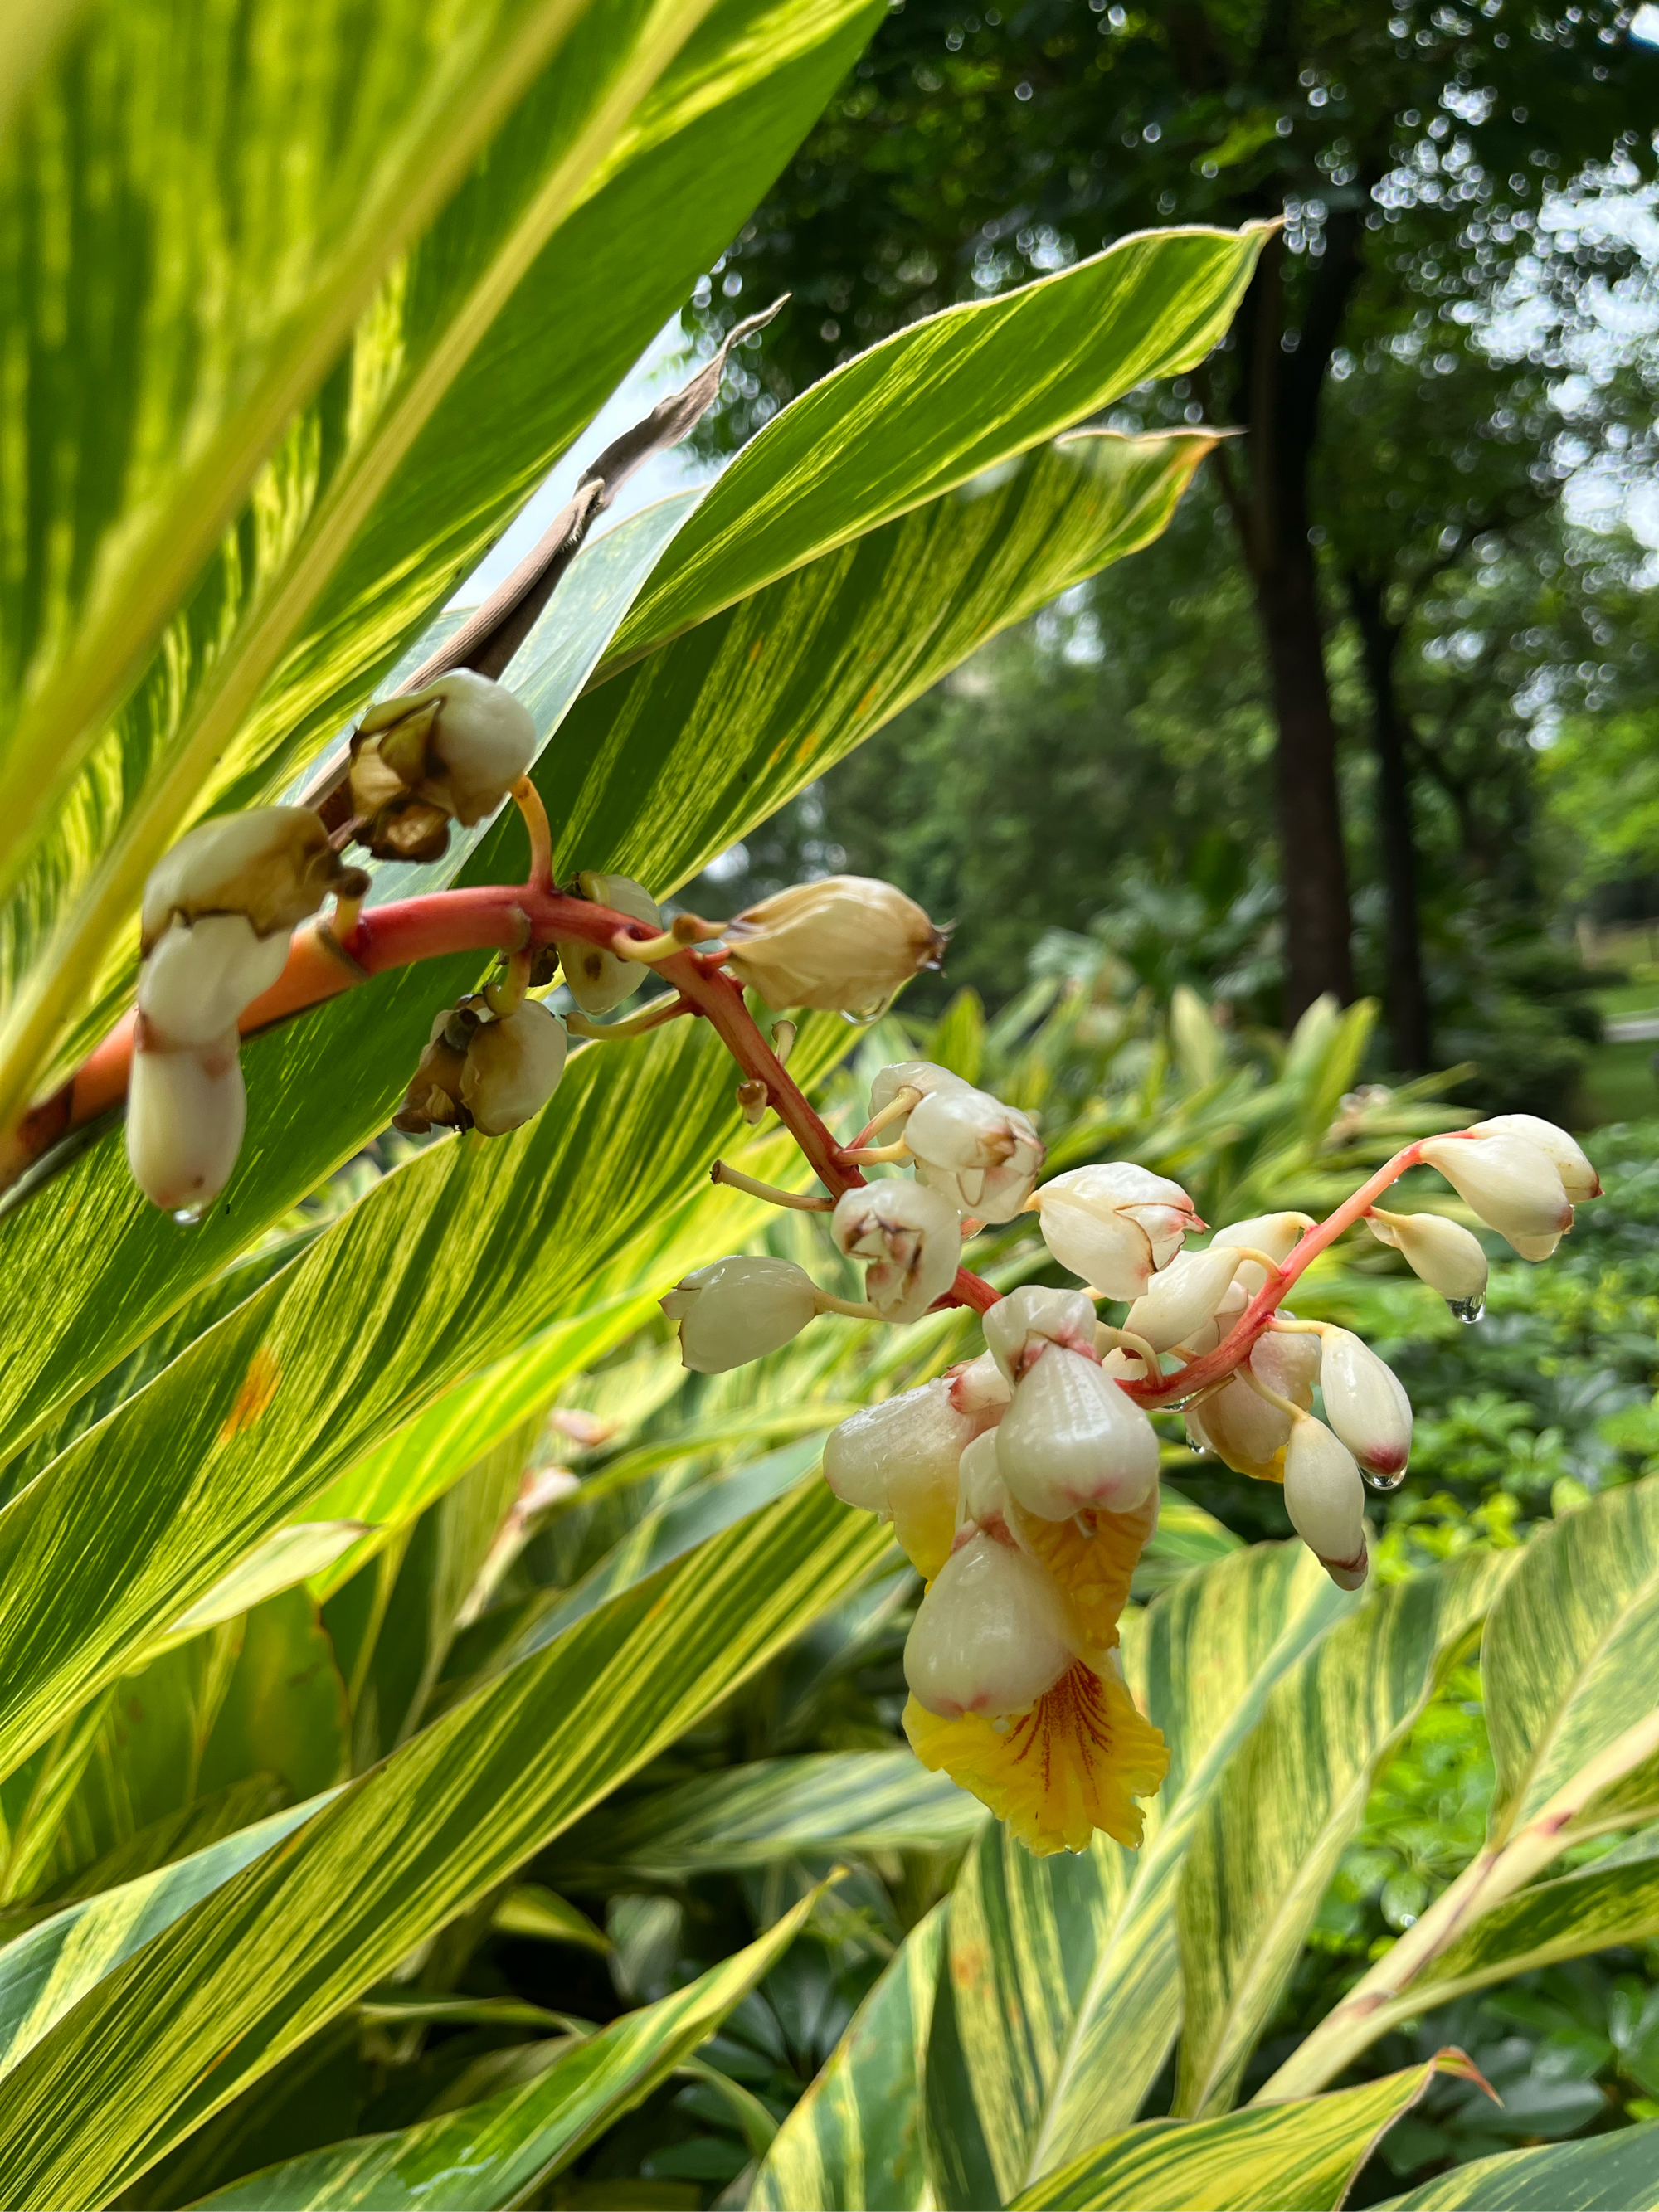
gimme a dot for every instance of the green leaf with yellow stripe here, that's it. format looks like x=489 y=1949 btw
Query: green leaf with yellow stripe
x=1614 y=2173
x=174 y=2032
x=472 y=1247
x=493 y=2154
x=1268 y=1840
x=836 y=1802
x=1062 y=1996
x=854 y=2139
x=1301 y=2157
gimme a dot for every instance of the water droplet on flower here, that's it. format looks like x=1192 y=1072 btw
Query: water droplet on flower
x=1468 y=1309
x=1001 y=1724
x=1382 y=1481
x=189 y=1216
x=1197 y=1450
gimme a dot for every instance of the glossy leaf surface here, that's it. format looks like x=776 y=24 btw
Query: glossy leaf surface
x=491 y=2153
x=1269 y=1838
x=855 y=2138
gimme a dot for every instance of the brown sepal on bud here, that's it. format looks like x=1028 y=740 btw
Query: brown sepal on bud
x=753 y=1098
x=433 y=1100
x=451 y=753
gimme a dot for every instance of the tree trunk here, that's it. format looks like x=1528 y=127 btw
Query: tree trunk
x=1280 y=393
x=1406 y=997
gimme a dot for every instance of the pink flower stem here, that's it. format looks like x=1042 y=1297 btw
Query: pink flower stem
x=1215 y=1367
x=490 y=918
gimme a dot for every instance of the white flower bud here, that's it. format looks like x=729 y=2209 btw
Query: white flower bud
x=1035 y=1315
x=1365 y=1403
x=1287 y=1361
x=275 y=864
x=844 y=944
x=910 y=1236
x=1326 y=1500
x=1578 y=1178
x=1114 y=1224
x=981 y=1155
x=1278 y=1235
x=200 y=975
x=992 y=1634
x=185 y=1114
x=1241 y=1428
x=980 y=1388
x=1208 y=1334
x=738 y=1309
x=484 y=737
x=512 y=1067
x=598 y=979
x=919 y=1432
x=1073 y=1438
x=919 y=1075
x=1445 y=1254
x=1183 y=1297
x=981 y=1493
x=419 y=760
x=1512 y=1184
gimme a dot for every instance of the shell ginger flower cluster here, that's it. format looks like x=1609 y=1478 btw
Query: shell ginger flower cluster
x=1022 y=1485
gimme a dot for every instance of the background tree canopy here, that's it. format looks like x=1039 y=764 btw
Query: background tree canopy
x=1346 y=644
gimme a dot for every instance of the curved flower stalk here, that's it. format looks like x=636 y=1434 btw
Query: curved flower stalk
x=1023 y=1486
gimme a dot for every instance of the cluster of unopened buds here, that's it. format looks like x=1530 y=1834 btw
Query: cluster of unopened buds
x=1022 y=1484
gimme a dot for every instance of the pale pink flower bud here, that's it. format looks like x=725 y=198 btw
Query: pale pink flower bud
x=199 y=976
x=1034 y=1315
x=595 y=978
x=1365 y=1403
x=185 y=1113
x=1511 y=1183
x=910 y=1236
x=512 y=1067
x=981 y=1155
x=275 y=865
x=844 y=944
x=1278 y=1235
x=919 y=1432
x=980 y=1389
x=1073 y=1438
x=1325 y=1501
x=1114 y=1224
x=1444 y=1253
x=992 y=1634
x=1570 y=1161
x=740 y=1310
x=918 y=1075
x=1183 y=1297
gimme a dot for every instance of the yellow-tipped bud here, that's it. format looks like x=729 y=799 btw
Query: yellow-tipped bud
x=992 y=1633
